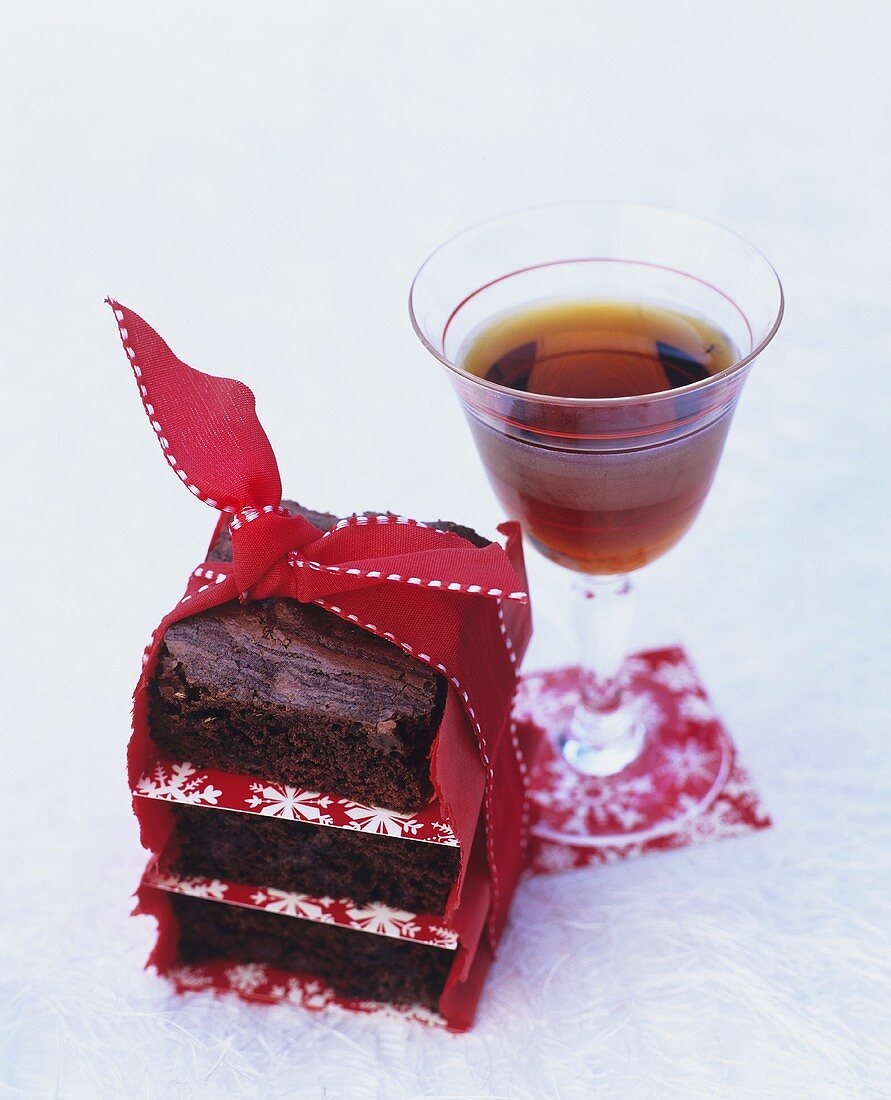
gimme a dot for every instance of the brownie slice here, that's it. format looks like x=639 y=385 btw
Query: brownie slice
x=314 y=859
x=292 y=693
x=353 y=963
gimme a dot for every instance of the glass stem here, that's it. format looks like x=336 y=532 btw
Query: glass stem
x=604 y=735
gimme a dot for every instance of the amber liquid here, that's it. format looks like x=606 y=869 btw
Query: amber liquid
x=616 y=508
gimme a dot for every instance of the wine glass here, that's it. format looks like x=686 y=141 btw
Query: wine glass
x=602 y=486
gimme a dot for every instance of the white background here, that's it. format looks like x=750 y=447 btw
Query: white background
x=261 y=181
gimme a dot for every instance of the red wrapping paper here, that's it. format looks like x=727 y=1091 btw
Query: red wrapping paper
x=461 y=609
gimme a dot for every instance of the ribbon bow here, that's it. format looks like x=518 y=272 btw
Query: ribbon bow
x=459 y=608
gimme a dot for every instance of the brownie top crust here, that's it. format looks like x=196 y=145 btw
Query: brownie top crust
x=377 y=681
x=286 y=653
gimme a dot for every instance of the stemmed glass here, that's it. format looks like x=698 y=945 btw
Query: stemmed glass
x=601 y=486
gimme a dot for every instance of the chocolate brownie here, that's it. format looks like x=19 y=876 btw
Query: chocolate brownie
x=314 y=859
x=353 y=963
x=292 y=693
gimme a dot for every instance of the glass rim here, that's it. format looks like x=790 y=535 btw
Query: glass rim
x=599 y=402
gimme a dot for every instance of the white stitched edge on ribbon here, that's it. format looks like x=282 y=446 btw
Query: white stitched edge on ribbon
x=484 y=753
x=249 y=514
x=150 y=412
x=296 y=562
x=364 y=521
x=490 y=774
x=210 y=575
x=514 y=738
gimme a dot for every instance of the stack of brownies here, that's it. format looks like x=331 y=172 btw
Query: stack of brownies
x=295 y=756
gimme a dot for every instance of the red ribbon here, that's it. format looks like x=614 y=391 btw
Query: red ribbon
x=461 y=609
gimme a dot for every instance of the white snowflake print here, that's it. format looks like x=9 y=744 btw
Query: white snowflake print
x=191 y=977
x=290 y=803
x=374 y=819
x=686 y=806
x=212 y=889
x=444 y=937
x=678 y=677
x=412 y=1013
x=636 y=666
x=560 y=788
x=648 y=713
x=444 y=834
x=293 y=905
x=696 y=709
x=247 y=977
x=615 y=853
x=178 y=783
x=553 y=858
x=739 y=791
x=617 y=804
x=738 y=785
x=308 y=994
x=383 y=920
x=612 y=803
x=152 y=876
x=721 y=819
x=195 y=887
x=539 y=700
x=688 y=761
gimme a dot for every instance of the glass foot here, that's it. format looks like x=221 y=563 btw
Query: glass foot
x=683 y=763
x=609 y=759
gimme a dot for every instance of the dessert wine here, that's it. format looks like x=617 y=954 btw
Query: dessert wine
x=597 y=349
x=612 y=506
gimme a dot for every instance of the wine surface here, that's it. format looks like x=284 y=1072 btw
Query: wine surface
x=597 y=349
x=600 y=507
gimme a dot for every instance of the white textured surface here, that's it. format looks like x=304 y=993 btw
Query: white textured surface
x=261 y=182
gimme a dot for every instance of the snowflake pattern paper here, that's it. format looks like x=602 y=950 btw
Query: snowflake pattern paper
x=698 y=773
x=374 y=917
x=182 y=782
x=270 y=985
